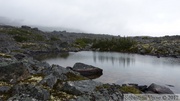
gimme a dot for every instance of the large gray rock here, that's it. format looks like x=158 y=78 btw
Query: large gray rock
x=58 y=73
x=36 y=67
x=58 y=70
x=88 y=71
x=80 y=87
x=35 y=92
x=49 y=80
x=159 y=89
x=13 y=72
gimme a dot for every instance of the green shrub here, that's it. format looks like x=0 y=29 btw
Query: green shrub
x=129 y=89
x=53 y=38
x=17 y=31
x=82 y=42
x=38 y=37
x=120 y=44
x=20 y=38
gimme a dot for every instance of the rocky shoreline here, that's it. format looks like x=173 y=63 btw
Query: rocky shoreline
x=23 y=78
x=29 y=40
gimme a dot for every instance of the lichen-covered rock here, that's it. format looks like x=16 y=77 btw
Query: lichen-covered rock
x=32 y=91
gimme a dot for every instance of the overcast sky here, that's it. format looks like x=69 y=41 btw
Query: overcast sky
x=117 y=17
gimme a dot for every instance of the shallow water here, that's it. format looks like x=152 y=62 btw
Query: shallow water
x=123 y=68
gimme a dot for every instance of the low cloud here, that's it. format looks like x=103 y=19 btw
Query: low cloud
x=117 y=17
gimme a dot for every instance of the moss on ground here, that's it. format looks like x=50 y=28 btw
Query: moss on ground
x=129 y=89
x=18 y=51
x=104 y=86
x=60 y=96
x=4 y=55
x=34 y=79
x=2 y=83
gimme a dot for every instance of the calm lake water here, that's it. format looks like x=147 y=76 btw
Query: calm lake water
x=123 y=68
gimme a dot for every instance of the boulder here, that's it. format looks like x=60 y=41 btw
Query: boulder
x=49 y=80
x=60 y=74
x=88 y=71
x=36 y=67
x=159 y=89
x=80 y=87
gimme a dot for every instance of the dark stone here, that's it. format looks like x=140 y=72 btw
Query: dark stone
x=25 y=27
x=170 y=85
x=158 y=56
x=174 y=56
x=159 y=89
x=70 y=68
x=87 y=70
x=143 y=88
x=19 y=56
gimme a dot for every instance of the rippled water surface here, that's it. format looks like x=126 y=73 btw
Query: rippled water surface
x=123 y=68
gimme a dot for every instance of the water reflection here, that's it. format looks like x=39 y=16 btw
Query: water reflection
x=113 y=58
